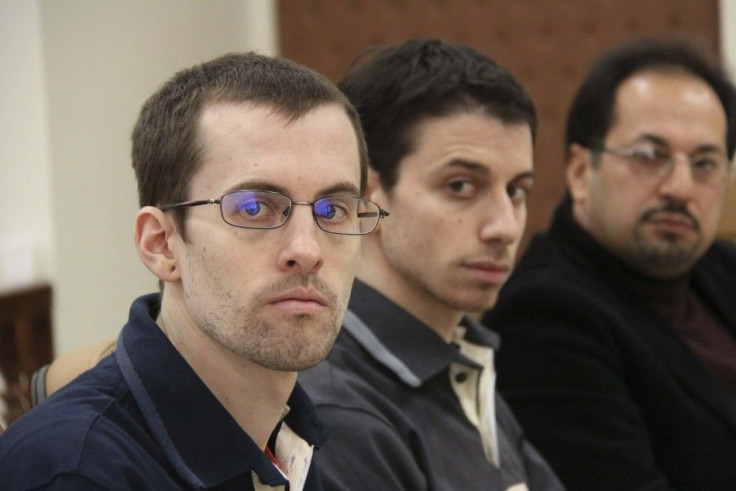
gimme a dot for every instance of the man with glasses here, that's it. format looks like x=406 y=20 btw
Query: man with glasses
x=409 y=388
x=619 y=323
x=250 y=172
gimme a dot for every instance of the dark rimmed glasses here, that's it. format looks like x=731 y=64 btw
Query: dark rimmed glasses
x=711 y=169
x=342 y=215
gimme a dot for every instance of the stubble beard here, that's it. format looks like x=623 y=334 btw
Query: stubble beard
x=663 y=255
x=289 y=343
x=454 y=294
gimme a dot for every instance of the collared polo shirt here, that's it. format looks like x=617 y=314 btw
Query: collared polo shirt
x=143 y=419
x=410 y=411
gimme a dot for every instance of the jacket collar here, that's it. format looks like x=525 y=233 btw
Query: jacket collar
x=197 y=435
x=403 y=344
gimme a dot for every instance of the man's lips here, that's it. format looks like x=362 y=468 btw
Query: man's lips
x=491 y=271
x=672 y=222
x=301 y=300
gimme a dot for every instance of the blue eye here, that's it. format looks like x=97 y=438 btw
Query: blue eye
x=251 y=207
x=325 y=209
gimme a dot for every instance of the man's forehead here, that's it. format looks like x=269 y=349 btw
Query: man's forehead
x=311 y=156
x=654 y=102
x=472 y=140
x=214 y=114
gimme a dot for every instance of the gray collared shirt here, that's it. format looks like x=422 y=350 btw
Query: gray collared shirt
x=409 y=411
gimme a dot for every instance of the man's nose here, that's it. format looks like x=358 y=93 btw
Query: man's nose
x=679 y=181
x=300 y=250
x=502 y=222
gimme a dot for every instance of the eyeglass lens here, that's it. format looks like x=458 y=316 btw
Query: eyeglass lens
x=709 y=168
x=346 y=215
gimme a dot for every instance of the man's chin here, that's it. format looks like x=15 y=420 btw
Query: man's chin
x=477 y=301
x=303 y=361
x=663 y=259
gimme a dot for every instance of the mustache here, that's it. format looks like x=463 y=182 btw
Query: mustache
x=303 y=281
x=672 y=207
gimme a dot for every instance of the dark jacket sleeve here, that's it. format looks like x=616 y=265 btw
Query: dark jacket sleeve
x=562 y=372
x=381 y=461
x=539 y=474
x=68 y=482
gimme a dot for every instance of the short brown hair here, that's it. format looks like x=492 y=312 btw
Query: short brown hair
x=166 y=150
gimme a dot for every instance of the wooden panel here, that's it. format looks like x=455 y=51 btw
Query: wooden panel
x=548 y=45
x=25 y=343
x=728 y=221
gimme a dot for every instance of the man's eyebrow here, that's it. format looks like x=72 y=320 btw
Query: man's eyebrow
x=524 y=175
x=659 y=141
x=255 y=186
x=341 y=187
x=652 y=138
x=709 y=148
x=338 y=188
x=478 y=168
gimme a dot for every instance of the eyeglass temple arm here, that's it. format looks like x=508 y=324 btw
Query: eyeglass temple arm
x=185 y=204
x=367 y=214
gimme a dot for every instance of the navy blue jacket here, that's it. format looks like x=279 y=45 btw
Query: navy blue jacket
x=142 y=419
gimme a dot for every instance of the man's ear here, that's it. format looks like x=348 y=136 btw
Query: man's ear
x=577 y=172
x=154 y=231
x=373 y=189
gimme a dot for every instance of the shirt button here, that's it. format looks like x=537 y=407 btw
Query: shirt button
x=461 y=377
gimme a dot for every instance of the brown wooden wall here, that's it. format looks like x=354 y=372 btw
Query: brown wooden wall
x=25 y=344
x=548 y=45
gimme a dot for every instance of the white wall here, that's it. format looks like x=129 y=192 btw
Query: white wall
x=25 y=179
x=74 y=74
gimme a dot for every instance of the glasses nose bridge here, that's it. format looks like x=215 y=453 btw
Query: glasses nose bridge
x=680 y=156
x=671 y=175
x=675 y=158
x=302 y=203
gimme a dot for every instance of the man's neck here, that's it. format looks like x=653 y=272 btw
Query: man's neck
x=420 y=303
x=254 y=396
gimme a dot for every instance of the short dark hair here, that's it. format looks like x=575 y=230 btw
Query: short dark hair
x=591 y=113
x=396 y=87
x=167 y=150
